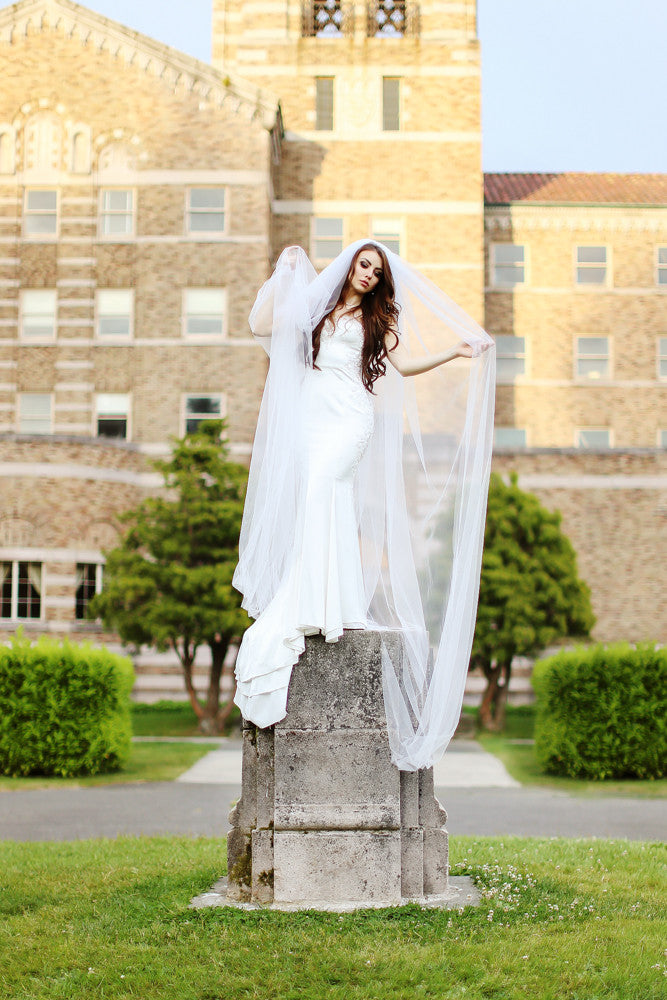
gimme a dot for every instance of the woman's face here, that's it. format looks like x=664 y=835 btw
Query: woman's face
x=366 y=272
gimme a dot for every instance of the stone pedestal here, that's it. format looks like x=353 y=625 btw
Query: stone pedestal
x=325 y=819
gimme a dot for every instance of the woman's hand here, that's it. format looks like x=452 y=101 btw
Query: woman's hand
x=464 y=350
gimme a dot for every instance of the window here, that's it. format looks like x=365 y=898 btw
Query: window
x=510 y=357
x=593 y=437
x=34 y=413
x=661 y=270
x=508 y=264
x=117 y=213
x=327 y=238
x=662 y=357
x=388 y=231
x=113 y=412
x=43 y=143
x=40 y=217
x=204 y=312
x=322 y=18
x=324 y=103
x=591 y=266
x=592 y=358
x=21 y=590
x=80 y=160
x=509 y=437
x=387 y=18
x=201 y=407
x=115 y=309
x=206 y=210
x=662 y=439
x=88 y=583
x=38 y=314
x=391 y=104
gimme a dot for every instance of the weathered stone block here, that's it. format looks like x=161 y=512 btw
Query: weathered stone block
x=436 y=861
x=264 y=788
x=325 y=819
x=353 y=688
x=262 y=866
x=412 y=864
x=335 y=780
x=337 y=866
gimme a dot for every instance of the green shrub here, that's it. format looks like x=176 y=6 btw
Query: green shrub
x=64 y=709
x=602 y=712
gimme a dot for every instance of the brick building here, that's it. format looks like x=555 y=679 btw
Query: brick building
x=144 y=195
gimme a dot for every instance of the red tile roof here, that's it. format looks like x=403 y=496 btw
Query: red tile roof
x=569 y=188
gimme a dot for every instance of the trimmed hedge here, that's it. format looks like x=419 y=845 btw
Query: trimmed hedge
x=64 y=709
x=602 y=712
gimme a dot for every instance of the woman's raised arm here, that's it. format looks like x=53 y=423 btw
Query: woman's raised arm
x=407 y=365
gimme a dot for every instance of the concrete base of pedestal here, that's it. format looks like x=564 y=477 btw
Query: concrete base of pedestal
x=461 y=892
x=325 y=820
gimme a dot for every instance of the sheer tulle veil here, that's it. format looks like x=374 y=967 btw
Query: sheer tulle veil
x=420 y=494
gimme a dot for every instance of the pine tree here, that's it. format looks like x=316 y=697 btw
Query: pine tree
x=530 y=593
x=168 y=583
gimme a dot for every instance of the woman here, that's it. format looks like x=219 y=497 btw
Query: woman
x=329 y=541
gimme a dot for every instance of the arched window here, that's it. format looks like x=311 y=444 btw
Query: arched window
x=116 y=159
x=80 y=150
x=43 y=143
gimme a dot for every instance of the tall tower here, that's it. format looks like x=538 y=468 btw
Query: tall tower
x=381 y=110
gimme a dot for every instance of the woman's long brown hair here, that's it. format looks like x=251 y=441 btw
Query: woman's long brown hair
x=379 y=314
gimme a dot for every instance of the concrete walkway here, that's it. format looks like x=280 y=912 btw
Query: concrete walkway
x=173 y=807
x=474 y=787
x=465 y=765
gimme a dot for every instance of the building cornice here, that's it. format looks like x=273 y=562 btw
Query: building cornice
x=594 y=218
x=178 y=72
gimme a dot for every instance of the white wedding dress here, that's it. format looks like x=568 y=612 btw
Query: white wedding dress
x=323 y=589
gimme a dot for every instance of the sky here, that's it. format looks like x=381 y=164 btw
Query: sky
x=566 y=84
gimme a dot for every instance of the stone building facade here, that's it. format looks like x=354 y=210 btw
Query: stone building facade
x=576 y=297
x=144 y=196
x=134 y=230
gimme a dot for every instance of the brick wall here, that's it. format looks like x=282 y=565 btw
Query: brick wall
x=550 y=311
x=614 y=509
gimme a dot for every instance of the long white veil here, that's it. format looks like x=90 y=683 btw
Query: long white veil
x=420 y=494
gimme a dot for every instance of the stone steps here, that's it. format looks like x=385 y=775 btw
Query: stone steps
x=159 y=676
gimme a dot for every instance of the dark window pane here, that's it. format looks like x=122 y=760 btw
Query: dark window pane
x=29 y=598
x=113 y=427
x=203 y=404
x=86 y=590
x=6 y=593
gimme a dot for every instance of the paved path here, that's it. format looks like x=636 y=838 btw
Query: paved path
x=474 y=787
x=201 y=810
x=465 y=765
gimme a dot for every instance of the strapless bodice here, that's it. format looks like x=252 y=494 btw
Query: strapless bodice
x=341 y=346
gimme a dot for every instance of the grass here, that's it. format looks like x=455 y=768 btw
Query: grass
x=560 y=920
x=170 y=718
x=519 y=759
x=148 y=762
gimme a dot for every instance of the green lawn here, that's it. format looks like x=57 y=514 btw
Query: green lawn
x=148 y=762
x=560 y=920
x=171 y=718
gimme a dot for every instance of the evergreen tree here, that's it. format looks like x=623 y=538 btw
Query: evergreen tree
x=530 y=593
x=168 y=583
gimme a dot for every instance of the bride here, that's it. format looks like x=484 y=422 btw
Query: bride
x=331 y=540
